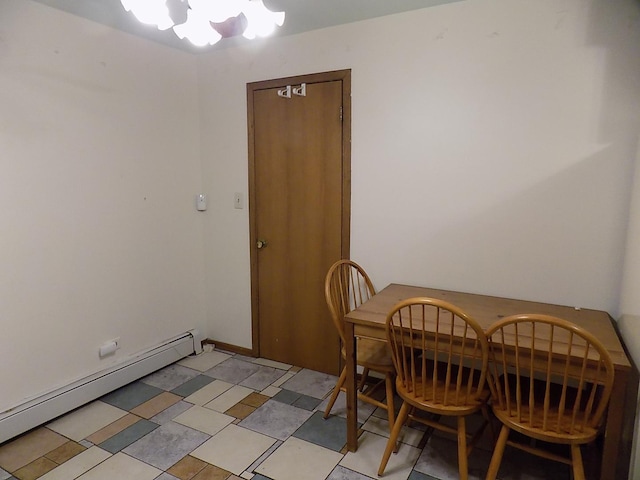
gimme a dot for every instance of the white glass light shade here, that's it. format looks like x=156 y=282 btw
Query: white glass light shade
x=151 y=12
x=201 y=14
x=218 y=11
x=197 y=30
x=261 y=21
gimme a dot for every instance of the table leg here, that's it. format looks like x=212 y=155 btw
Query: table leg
x=616 y=451
x=351 y=382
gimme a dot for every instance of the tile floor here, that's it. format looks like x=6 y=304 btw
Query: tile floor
x=219 y=416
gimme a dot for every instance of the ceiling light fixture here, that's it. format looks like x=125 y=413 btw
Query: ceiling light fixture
x=205 y=22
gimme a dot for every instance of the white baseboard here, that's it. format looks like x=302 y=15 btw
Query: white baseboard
x=48 y=406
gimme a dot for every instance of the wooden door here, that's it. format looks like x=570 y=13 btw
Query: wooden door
x=299 y=198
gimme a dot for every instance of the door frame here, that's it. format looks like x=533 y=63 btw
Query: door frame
x=345 y=77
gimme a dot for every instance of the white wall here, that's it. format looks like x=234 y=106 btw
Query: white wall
x=493 y=151
x=629 y=322
x=99 y=168
x=493 y=145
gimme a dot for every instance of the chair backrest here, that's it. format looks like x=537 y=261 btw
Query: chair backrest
x=346 y=287
x=558 y=375
x=430 y=340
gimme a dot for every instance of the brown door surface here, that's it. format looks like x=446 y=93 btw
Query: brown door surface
x=299 y=213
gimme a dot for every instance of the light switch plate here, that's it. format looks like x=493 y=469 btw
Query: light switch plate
x=238 y=201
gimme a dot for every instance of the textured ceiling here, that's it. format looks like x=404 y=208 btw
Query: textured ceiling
x=301 y=16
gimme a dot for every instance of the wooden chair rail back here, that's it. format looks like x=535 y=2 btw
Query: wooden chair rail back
x=548 y=374
x=347 y=286
x=440 y=354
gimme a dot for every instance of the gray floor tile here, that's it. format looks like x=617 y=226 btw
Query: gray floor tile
x=170 y=377
x=415 y=475
x=309 y=382
x=342 y=473
x=233 y=370
x=330 y=433
x=170 y=413
x=297 y=399
x=193 y=385
x=166 y=445
x=262 y=378
x=286 y=396
x=439 y=458
x=132 y=395
x=517 y=464
x=365 y=410
x=128 y=436
x=166 y=476
x=306 y=402
x=296 y=411
x=276 y=419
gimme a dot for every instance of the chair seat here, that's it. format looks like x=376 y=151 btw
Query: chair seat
x=347 y=286
x=434 y=401
x=550 y=381
x=569 y=431
x=534 y=427
x=374 y=355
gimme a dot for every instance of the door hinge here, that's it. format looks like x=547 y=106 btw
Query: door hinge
x=340 y=113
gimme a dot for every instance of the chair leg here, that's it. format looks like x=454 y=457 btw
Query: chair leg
x=576 y=460
x=463 y=468
x=336 y=391
x=389 y=381
x=488 y=419
x=498 y=452
x=363 y=379
x=393 y=438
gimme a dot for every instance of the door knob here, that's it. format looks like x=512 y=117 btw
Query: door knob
x=261 y=244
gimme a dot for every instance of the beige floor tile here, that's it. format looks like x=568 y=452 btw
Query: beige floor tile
x=78 y=465
x=187 y=468
x=204 y=361
x=29 y=447
x=367 y=459
x=233 y=449
x=208 y=392
x=204 y=419
x=271 y=391
x=285 y=463
x=156 y=405
x=35 y=469
x=81 y=423
x=229 y=398
x=121 y=466
x=65 y=452
x=113 y=428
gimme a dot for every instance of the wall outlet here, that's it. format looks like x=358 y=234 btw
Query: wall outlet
x=109 y=348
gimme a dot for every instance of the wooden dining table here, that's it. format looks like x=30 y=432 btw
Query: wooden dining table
x=369 y=319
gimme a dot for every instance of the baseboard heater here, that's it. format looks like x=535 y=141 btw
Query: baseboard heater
x=46 y=407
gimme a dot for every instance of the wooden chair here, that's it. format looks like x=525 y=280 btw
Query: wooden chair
x=346 y=287
x=445 y=374
x=551 y=381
